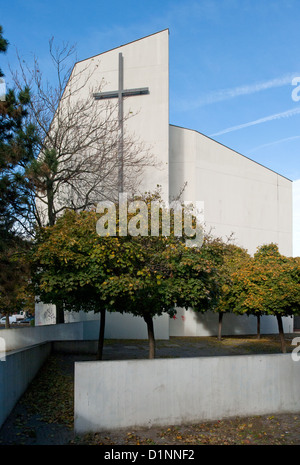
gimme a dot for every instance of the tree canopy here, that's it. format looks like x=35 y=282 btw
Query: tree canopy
x=266 y=284
x=142 y=275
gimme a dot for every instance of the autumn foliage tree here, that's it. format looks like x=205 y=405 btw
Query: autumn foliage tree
x=235 y=258
x=267 y=284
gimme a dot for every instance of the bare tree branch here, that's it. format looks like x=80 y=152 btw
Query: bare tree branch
x=77 y=164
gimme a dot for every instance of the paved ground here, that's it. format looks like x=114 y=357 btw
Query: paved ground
x=44 y=415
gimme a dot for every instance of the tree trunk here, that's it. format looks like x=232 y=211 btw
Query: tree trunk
x=101 y=334
x=149 y=321
x=60 y=316
x=258 y=326
x=220 y=326
x=50 y=201
x=7 y=323
x=281 y=333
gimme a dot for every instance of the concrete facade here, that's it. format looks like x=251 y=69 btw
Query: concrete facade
x=182 y=390
x=146 y=64
x=241 y=198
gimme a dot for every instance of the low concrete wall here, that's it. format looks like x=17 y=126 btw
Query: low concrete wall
x=17 y=338
x=17 y=370
x=116 y=327
x=119 y=394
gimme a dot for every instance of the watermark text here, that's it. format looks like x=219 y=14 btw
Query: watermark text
x=296 y=91
x=137 y=218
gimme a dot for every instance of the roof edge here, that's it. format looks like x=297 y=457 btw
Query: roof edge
x=235 y=151
x=124 y=45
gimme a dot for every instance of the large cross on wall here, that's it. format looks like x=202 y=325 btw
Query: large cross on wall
x=120 y=94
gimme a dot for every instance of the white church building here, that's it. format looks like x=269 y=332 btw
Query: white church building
x=240 y=197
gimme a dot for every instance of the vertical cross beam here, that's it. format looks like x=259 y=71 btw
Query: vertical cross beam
x=119 y=94
x=121 y=127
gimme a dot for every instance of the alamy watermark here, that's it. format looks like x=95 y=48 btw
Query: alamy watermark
x=296 y=98
x=136 y=218
x=296 y=342
x=296 y=91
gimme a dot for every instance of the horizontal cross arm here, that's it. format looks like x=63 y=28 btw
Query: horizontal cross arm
x=139 y=91
x=104 y=95
x=124 y=93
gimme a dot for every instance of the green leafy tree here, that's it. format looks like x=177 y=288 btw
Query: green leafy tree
x=142 y=275
x=66 y=271
x=161 y=275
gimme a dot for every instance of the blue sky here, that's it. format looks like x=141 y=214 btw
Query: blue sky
x=232 y=62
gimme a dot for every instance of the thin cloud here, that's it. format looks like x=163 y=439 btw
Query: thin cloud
x=284 y=114
x=286 y=139
x=227 y=94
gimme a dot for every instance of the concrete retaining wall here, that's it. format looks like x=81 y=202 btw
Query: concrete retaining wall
x=117 y=394
x=17 y=338
x=117 y=327
x=17 y=370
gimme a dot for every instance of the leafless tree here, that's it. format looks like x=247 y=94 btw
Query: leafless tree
x=77 y=162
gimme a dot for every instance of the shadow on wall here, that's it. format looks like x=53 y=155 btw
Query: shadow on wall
x=190 y=323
